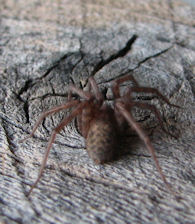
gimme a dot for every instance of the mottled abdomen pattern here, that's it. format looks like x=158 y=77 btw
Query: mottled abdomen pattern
x=101 y=141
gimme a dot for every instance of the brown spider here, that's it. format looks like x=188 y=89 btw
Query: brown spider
x=100 y=124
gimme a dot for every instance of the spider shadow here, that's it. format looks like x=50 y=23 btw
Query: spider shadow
x=130 y=144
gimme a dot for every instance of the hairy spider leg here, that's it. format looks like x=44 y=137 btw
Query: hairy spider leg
x=51 y=111
x=119 y=81
x=152 y=90
x=116 y=94
x=84 y=94
x=64 y=122
x=127 y=99
x=98 y=95
x=88 y=113
x=127 y=115
x=83 y=119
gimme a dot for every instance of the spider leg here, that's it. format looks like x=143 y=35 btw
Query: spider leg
x=84 y=118
x=51 y=111
x=155 y=111
x=69 y=95
x=64 y=122
x=127 y=115
x=84 y=94
x=118 y=82
x=152 y=90
x=96 y=90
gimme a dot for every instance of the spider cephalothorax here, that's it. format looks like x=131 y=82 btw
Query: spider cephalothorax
x=99 y=123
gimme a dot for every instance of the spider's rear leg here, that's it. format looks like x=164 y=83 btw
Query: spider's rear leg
x=128 y=116
x=119 y=81
x=156 y=113
x=152 y=90
x=64 y=122
x=47 y=113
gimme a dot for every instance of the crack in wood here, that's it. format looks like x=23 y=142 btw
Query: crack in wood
x=130 y=71
x=121 y=53
x=55 y=64
x=152 y=56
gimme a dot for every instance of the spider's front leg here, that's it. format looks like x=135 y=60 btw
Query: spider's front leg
x=49 y=112
x=64 y=122
x=69 y=104
x=86 y=94
x=83 y=94
x=119 y=81
x=98 y=95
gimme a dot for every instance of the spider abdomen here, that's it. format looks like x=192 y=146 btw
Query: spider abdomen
x=101 y=141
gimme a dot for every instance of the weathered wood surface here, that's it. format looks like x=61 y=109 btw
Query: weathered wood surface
x=45 y=45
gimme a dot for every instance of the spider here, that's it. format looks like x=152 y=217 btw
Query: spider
x=101 y=124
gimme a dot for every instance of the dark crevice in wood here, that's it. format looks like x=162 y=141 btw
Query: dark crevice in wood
x=26 y=111
x=2 y=201
x=152 y=56
x=54 y=65
x=72 y=80
x=25 y=108
x=145 y=118
x=130 y=71
x=28 y=84
x=45 y=126
x=121 y=53
x=51 y=95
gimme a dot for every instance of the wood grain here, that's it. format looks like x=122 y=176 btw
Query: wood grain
x=44 y=46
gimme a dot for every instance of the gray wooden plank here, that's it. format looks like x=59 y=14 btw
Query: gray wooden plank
x=47 y=45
